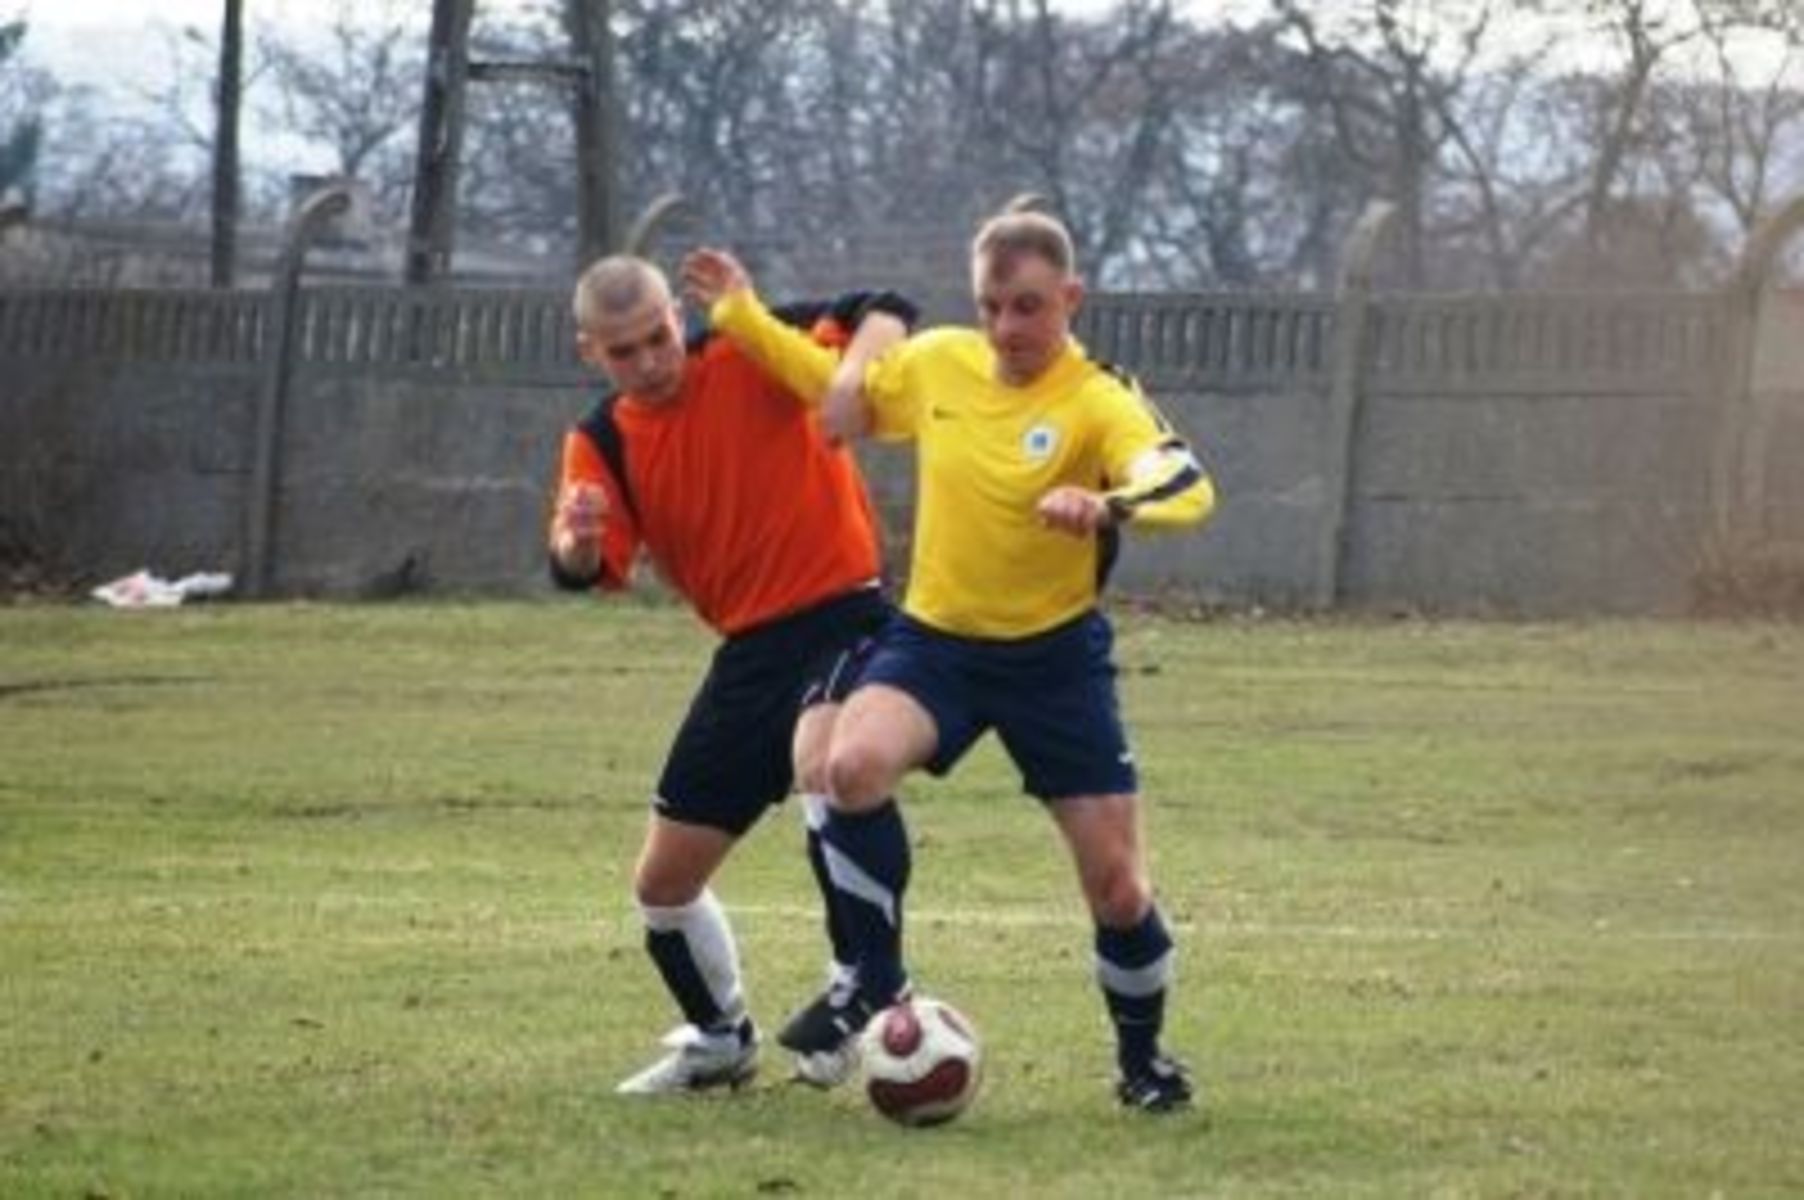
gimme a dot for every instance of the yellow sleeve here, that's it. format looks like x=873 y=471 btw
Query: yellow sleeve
x=893 y=404
x=799 y=363
x=1157 y=482
x=806 y=368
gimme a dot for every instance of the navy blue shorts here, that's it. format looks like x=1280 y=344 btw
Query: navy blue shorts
x=1050 y=698
x=732 y=757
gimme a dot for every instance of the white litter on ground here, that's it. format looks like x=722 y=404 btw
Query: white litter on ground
x=141 y=589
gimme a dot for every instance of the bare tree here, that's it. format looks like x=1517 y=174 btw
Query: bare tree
x=519 y=171
x=1391 y=80
x=1745 y=124
x=355 y=93
x=1620 y=126
x=1252 y=188
x=102 y=164
x=21 y=137
x=842 y=140
x=1086 y=107
x=1644 y=160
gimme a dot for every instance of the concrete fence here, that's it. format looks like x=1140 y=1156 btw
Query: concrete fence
x=1532 y=454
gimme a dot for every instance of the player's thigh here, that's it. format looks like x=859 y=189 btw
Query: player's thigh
x=677 y=859
x=835 y=648
x=730 y=759
x=880 y=735
x=1054 y=705
x=1103 y=833
x=813 y=741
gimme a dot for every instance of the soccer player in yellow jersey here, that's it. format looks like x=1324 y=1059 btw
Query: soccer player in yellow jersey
x=1030 y=458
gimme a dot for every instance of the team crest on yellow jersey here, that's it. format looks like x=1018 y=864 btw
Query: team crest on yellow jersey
x=1039 y=442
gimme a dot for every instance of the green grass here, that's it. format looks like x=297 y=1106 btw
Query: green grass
x=303 y=900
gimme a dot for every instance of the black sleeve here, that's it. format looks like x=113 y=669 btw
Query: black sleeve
x=801 y=313
x=851 y=308
x=565 y=581
x=848 y=309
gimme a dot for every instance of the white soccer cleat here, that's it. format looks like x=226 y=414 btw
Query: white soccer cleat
x=828 y=1068
x=697 y=1061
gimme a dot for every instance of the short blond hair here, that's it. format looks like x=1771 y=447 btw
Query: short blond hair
x=616 y=285
x=1009 y=235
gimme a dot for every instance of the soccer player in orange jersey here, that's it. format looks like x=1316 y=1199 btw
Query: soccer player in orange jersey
x=725 y=480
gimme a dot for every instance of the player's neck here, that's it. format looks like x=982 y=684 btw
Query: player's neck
x=1010 y=377
x=661 y=400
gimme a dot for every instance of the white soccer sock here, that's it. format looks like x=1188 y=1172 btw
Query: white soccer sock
x=709 y=937
x=814 y=811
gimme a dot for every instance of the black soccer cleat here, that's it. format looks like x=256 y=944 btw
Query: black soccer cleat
x=826 y=1023
x=1161 y=1086
x=824 y=1037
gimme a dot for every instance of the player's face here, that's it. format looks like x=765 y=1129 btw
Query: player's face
x=640 y=351
x=1025 y=305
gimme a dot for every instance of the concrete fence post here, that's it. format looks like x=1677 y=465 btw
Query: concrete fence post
x=1022 y=202
x=650 y=222
x=318 y=211
x=1738 y=475
x=1345 y=395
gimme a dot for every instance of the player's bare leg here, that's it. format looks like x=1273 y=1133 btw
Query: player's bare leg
x=1134 y=951
x=691 y=944
x=880 y=734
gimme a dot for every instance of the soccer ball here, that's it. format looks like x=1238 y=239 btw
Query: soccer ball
x=922 y=1061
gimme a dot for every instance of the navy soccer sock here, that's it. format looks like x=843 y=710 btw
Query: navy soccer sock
x=839 y=934
x=1133 y=966
x=867 y=858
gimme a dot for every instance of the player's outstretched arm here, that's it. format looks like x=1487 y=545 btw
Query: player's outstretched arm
x=708 y=275
x=845 y=410
x=715 y=279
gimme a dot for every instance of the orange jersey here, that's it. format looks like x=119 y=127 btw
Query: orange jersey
x=742 y=504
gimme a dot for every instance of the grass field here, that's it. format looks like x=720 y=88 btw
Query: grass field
x=319 y=901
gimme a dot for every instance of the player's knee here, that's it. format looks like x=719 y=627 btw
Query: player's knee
x=811 y=771
x=657 y=885
x=859 y=776
x=1119 y=895
x=808 y=752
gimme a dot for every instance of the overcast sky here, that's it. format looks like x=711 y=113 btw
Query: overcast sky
x=100 y=42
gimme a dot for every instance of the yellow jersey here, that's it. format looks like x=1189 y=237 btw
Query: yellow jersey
x=983 y=564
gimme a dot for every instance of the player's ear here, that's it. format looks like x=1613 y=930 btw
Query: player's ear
x=1074 y=294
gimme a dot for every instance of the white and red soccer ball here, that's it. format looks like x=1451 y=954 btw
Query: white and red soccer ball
x=922 y=1061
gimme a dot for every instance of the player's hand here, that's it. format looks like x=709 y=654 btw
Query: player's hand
x=581 y=521
x=1077 y=511
x=708 y=275
x=843 y=415
x=583 y=510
